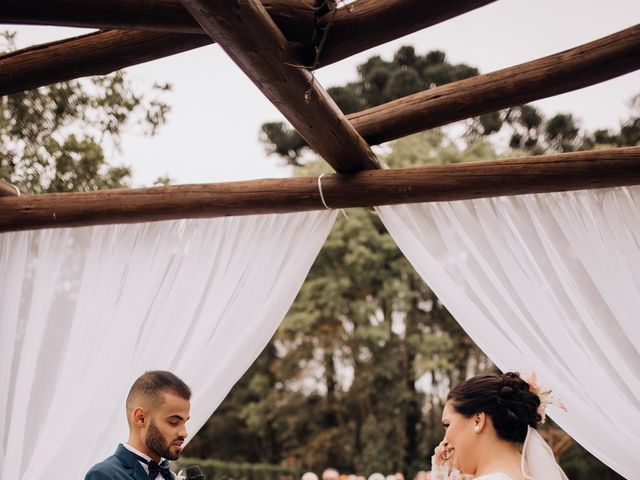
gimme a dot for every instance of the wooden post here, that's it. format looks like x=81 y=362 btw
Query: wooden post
x=549 y=173
x=365 y=24
x=105 y=52
x=579 y=67
x=249 y=36
x=67 y=59
x=294 y=17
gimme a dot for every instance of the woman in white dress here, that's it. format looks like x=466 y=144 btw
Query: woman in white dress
x=490 y=423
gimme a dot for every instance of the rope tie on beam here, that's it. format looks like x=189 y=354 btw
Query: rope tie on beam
x=320 y=190
x=322 y=197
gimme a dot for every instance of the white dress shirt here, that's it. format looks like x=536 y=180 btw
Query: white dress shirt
x=146 y=457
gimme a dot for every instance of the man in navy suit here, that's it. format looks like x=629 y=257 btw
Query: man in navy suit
x=157 y=410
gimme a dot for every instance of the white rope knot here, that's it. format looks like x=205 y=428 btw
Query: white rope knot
x=322 y=197
x=320 y=190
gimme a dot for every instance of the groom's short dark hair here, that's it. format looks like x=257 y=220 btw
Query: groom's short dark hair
x=152 y=385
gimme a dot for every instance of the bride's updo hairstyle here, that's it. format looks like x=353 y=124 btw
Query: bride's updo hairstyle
x=505 y=398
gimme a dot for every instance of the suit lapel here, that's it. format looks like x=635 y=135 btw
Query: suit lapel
x=131 y=463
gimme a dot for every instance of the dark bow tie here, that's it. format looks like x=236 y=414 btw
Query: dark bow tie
x=162 y=469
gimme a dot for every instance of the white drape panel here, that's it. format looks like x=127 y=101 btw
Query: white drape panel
x=85 y=311
x=549 y=283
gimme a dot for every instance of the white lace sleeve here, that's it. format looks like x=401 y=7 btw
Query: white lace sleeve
x=441 y=472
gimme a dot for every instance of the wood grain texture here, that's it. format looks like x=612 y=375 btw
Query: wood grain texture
x=576 y=68
x=365 y=24
x=550 y=173
x=69 y=59
x=294 y=17
x=253 y=41
x=64 y=60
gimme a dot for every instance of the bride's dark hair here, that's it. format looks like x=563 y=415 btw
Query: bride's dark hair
x=505 y=398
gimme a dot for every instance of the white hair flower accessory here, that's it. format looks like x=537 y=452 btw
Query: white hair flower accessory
x=180 y=476
x=544 y=394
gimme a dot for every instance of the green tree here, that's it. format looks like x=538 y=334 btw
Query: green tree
x=531 y=133
x=627 y=136
x=53 y=138
x=528 y=130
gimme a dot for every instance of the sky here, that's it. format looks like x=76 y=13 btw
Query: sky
x=212 y=130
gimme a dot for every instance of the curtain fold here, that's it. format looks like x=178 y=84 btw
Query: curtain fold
x=549 y=283
x=85 y=311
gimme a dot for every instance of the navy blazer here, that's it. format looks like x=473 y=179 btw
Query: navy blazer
x=122 y=465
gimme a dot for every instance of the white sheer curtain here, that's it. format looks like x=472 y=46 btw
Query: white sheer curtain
x=85 y=311
x=549 y=283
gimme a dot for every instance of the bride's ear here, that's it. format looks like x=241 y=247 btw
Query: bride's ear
x=479 y=421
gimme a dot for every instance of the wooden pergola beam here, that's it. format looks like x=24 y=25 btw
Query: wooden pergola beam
x=249 y=36
x=579 y=67
x=539 y=174
x=73 y=58
x=366 y=24
x=32 y=67
x=294 y=17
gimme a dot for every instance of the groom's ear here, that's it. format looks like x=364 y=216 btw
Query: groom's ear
x=139 y=416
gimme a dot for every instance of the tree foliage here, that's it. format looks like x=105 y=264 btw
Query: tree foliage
x=530 y=132
x=53 y=138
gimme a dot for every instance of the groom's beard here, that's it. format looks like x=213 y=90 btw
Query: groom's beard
x=158 y=444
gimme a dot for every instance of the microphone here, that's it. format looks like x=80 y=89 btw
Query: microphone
x=194 y=472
